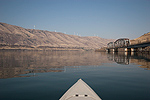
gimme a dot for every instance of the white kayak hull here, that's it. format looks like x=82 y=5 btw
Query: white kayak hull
x=80 y=91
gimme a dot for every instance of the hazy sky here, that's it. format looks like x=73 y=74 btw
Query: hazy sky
x=104 y=18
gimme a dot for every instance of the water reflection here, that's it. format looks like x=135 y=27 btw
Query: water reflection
x=15 y=63
x=125 y=58
x=120 y=58
x=28 y=63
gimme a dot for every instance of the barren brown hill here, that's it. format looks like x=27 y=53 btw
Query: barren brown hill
x=142 y=39
x=15 y=35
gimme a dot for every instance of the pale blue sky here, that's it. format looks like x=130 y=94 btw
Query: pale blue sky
x=104 y=18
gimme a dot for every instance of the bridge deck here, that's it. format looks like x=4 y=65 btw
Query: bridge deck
x=139 y=45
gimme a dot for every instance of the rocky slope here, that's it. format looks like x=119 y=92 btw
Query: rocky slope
x=14 y=36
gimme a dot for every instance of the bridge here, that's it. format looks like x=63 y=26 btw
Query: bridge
x=126 y=45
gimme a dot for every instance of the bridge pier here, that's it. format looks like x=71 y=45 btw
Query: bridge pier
x=127 y=50
x=124 y=49
x=115 y=50
x=141 y=49
x=107 y=50
x=134 y=49
x=112 y=50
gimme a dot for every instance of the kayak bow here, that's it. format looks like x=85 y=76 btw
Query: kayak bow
x=80 y=91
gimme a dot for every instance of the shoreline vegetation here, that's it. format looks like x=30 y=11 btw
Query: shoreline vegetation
x=41 y=48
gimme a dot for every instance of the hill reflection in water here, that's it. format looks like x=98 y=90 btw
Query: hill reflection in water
x=16 y=63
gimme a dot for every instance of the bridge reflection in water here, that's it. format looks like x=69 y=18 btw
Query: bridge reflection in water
x=120 y=58
x=125 y=58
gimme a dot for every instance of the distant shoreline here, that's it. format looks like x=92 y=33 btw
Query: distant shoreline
x=41 y=48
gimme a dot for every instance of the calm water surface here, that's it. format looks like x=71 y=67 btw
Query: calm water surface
x=46 y=75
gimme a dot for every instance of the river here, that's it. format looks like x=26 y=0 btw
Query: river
x=46 y=75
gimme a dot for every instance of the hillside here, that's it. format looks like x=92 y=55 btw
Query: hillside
x=15 y=36
x=142 y=39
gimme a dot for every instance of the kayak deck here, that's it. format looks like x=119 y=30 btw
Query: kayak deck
x=80 y=91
